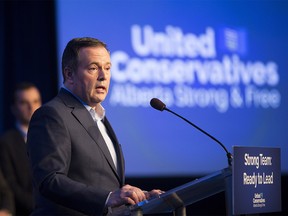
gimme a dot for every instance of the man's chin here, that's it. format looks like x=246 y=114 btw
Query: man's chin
x=99 y=99
x=25 y=121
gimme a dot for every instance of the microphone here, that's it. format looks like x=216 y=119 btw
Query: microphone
x=159 y=105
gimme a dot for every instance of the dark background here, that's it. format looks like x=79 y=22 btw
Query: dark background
x=28 y=52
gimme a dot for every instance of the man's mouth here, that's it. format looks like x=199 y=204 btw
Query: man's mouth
x=101 y=88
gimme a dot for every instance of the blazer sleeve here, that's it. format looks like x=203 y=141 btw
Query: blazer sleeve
x=49 y=150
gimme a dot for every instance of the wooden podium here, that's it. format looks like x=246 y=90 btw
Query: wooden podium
x=177 y=199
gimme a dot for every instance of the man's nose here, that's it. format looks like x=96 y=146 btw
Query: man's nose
x=102 y=75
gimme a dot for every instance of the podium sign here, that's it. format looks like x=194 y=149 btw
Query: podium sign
x=256 y=180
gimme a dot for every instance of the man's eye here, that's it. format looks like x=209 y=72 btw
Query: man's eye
x=93 y=69
x=107 y=68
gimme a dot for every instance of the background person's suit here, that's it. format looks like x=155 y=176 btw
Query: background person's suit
x=16 y=169
x=70 y=161
x=6 y=196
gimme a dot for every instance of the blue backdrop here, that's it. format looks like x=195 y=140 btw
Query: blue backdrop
x=221 y=64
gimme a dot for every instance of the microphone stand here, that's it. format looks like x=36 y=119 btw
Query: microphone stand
x=228 y=154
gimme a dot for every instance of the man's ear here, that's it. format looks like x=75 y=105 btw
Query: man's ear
x=68 y=74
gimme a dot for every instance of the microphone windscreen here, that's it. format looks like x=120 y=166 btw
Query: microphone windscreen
x=157 y=104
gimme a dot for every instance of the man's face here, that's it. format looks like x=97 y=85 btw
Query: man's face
x=90 y=82
x=26 y=102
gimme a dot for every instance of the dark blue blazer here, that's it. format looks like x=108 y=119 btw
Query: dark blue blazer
x=73 y=171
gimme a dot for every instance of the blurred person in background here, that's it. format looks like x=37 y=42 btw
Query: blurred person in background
x=13 y=152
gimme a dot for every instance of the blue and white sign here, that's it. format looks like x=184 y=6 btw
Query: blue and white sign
x=221 y=64
x=256 y=180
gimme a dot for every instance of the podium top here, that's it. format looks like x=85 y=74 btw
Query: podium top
x=186 y=194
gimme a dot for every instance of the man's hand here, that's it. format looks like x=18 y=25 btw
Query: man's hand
x=126 y=195
x=153 y=193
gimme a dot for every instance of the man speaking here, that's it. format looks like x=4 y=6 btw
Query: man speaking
x=76 y=159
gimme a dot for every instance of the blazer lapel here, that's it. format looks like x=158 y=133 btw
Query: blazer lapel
x=85 y=119
x=118 y=148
